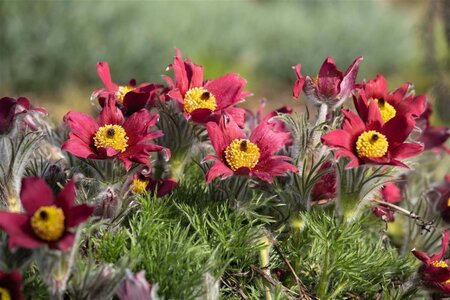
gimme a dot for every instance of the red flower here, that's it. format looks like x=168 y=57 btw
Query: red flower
x=205 y=101
x=435 y=271
x=144 y=181
x=330 y=86
x=389 y=104
x=10 y=109
x=112 y=136
x=373 y=142
x=441 y=199
x=130 y=98
x=326 y=187
x=432 y=137
x=392 y=194
x=47 y=220
x=10 y=285
x=239 y=155
x=253 y=120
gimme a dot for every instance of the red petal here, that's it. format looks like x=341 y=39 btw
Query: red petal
x=237 y=114
x=374 y=119
x=329 y=78
x=137 y=126
x=376 y=88
x=298 y=85
x=19 y=231
x=397 y=130
x=82 y=125
x=338 y=138
x=78 y=147
x=66 y=197
x=361 y=104
x=65 y=243
x=105 y=75
x=406 y=150
x=35 y=193
x=227 y=89
x=352 y=123
x=268 y=140
x=348 y=82
x=219 y=169
x=391 y=193
x=134 y=101
x=78 y=214
x=110 y=114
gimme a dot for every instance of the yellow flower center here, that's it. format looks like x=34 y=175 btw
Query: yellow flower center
x=48 y=223
x=242 y=153
x=122 y=91
x=387 y=111
x=4 y=294
x=371 y=144
x=199 y=97
x=315 y=79
x=111 y=136
x=448 y=202
x=439 y=264
x=139 y=186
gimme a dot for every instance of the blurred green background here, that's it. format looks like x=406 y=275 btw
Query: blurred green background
x=48 y=49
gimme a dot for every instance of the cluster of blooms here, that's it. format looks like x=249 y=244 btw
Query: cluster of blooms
x=244 y=144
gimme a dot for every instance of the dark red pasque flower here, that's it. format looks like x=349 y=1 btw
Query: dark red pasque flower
x=330 y=86
x=252 y=120
x=205 y=101
x=435 y=271
x=391 y=193
x=10 y=109
x=48 y=220
x=373 y=142
x=144 y=181
x=238 y=155
x=112 y=136
x=10 y=285
x=389 y=104
x=432 y=137
x=326 y=187
x=130 y=98
x=440 y=198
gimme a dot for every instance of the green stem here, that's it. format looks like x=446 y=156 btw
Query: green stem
x=323 y=283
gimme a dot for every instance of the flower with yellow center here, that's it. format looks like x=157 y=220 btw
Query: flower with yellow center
x=439 y=264
x=448 y=202
x=387 y=111
x=139 y=186
x=4 y=294
x=122 y=91
x=198 y=98
x=113 y=136
x=48 y=223
x=371 y=144
x=242 y=153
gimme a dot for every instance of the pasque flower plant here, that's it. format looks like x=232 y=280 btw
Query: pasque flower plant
x=238 y=155
x=205 y=100
x=47 y=220
x=10 y=286
x=113 y=136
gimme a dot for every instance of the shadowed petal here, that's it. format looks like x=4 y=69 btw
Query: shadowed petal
x=352 y=123
x=219 y=169
x=65 y=243
x=397 y=130
x=329 y=78
x=227 y=89
x=35 y=193
x=406 y=150
x=78 y=147
x=66 y=197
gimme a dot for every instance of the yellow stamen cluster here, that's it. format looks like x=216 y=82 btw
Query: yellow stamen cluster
x=139 y=186
x=371 y=144
x=439 y=264
x=387 y=111
x=122 y=91
x=48 y=223
x=197 y=98
x=111 y=136
x=4 y=294
x=242 y=153
x=448 y=202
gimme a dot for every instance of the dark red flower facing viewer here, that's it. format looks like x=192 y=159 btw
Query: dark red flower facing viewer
x=391 y=193
x=113 y=136
x=374 y=142
x=48 y=220
x=130 y=98
x=205 y=101
x=390 y=104
x=10 y=285
x=330 y=86
x=144 y=181
x=238 y=155
x=435 y=271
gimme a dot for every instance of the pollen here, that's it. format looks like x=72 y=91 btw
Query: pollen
x=197 y=98
x=371 y=144
x=448 y=202
x=242 y=153
x=48 y=223
x=439 y=264
x=4 y=294
x=113 y=136
x=387 y=111
x=122 y=91
x=139 y=186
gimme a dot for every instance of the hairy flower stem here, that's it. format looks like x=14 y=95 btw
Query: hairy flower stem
x=264 y=261
x=323 y=283
x=321 y=118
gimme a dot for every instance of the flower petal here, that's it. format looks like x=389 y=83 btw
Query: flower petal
x=19 y=231
x=298 y=85
x=228 y=90
x=35 y=193
x=268 y=140
x=218 y=169
x=78 y=214
x=348 y=82
x=82 y=125
x=329 y=78
x=338 y=138
x=78 y=147
x=376 y=88
x=66 y=197
x=352 y=123
x=110 y=114
x=105 y=75
x=406 y=150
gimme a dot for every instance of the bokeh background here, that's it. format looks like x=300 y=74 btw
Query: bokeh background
x=48 y=49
